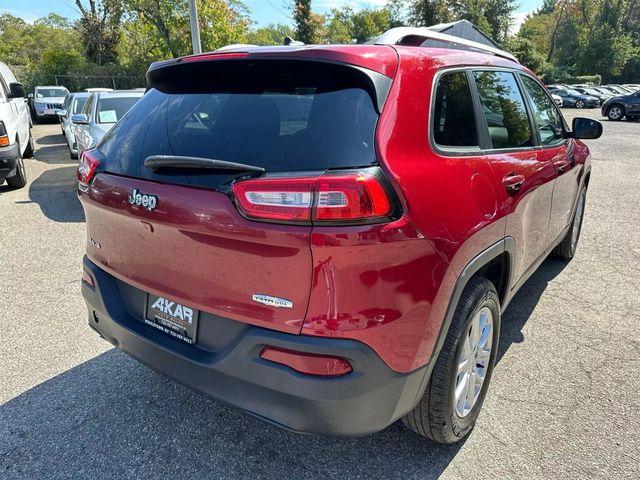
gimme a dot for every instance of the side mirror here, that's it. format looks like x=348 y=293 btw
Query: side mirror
x=16 y=90
x=30 y=95
x=61 y=113
x=80 y=119
x=586 y=128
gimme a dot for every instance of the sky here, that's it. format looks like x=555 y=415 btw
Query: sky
x=263 y=12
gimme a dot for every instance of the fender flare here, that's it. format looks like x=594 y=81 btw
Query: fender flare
x=505 y=245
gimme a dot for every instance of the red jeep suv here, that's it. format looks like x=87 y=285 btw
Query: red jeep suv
x=326 y=236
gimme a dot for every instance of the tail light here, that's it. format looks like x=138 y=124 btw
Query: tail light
x=343 y=197
x=4 y=138
x=86 y=168
x=307 y=363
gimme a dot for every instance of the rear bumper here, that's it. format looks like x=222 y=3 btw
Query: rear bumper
x=8 y=159
x=366 y=400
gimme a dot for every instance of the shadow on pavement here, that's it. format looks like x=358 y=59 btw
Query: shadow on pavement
x=55 y=192
x=112 y=417
x=55 y=151
x=525 y=301
x=52 y=139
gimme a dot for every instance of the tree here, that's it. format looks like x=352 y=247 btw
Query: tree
x=305 y=30
x=273 y=34
x=347 y=26
x=99 y=27
x=491 y=16
x=221 y=22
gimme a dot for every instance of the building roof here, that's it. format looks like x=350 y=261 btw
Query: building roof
x=464 y=29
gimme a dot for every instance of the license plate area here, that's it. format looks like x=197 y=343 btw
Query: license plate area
x=172 y=318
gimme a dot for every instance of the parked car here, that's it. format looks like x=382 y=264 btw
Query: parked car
x=557 y=99
x=632 y=86
x=99 y=113
x=73 y=104
x=46 y=100
x=16 y=141
x=621 y=106
x=621 y=89
x=592 y=92
x=573 y=98
x=278 y=232
x=98 y=89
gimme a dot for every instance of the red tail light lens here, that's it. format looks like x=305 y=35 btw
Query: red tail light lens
x=350 y=197
x=307 y=363
x=87 y=167
x=345 y=197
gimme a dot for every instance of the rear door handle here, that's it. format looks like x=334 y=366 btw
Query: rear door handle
x=513 y=182
x=561 y=165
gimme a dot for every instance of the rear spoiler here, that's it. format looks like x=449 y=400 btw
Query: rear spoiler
x=198 y=74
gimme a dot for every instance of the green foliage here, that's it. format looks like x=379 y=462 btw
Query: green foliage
x=349 y=26
x=303 y=18
x=525 y=51
x=221 y=23
x=587 y=37
x=491 y=16
x=274 y=34
x=99 y=26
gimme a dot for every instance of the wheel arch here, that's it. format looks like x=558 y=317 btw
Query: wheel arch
x=495 y=263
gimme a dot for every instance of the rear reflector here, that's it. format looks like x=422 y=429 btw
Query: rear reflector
x=345 y=197
x=86 y=168
x=307 y=363
x=88 y=278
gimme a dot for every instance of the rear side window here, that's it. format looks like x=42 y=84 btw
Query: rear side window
x=548 y=120
x=504 y=110
x=279 y=115
x=88 y=105
x=454 y=123
x=77 y=104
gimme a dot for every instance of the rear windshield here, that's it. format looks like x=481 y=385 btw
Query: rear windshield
x=283 y=118
x=111 y=109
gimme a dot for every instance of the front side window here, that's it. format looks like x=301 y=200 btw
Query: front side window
x=504 y=110
x=548 y=120
x=454 y=122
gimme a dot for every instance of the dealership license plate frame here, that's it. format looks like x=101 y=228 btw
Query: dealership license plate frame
x=170 y=324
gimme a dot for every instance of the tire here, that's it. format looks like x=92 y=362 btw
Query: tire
x=74 y=156
x=19 y=179
x=615 y=112
x=566 y=249
x=437 y=414
x=28 y=152
x=579 y=104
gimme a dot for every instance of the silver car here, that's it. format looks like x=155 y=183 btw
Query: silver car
x=100 y=112
x=73 y=104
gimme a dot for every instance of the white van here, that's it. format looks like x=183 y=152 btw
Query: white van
x=16 y=141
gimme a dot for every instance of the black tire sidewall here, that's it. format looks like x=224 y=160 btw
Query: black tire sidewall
x=462 y=426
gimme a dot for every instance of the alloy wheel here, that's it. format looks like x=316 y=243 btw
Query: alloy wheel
x=473 y=362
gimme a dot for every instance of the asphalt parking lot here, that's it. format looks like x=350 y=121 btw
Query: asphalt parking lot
x=563 y=402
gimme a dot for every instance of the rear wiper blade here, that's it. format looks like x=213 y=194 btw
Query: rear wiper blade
x=176 y=161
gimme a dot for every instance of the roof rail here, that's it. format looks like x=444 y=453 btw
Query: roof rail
x=395 y=36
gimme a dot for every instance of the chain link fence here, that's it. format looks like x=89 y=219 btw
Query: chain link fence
x=76 y=83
